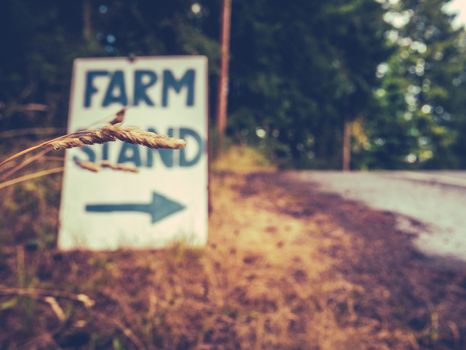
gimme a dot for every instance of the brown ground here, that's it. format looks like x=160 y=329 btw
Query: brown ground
x=286 y=268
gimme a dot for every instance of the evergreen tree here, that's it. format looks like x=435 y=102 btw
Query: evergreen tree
x=425 y=71
x=42 y=39
x=300 y=70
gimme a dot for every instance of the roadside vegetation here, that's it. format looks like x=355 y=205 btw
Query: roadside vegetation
x=286 y=267
x=389 y=72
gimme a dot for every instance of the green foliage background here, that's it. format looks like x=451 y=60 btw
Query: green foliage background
x=299 y=69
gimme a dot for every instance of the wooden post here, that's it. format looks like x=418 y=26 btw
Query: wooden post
x=346 y=145
x=223 y=79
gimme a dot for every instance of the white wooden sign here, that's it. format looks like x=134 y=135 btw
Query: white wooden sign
x=166 y=201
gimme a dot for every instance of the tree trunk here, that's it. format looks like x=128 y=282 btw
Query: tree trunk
x=346 y=145
x=87 y=24
x=223 y=80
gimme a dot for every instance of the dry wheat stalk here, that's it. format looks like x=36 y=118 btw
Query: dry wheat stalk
x=30 y=131
x=118 y=167
x=119 y=117
x=110 y=133
x=88 y=165
x=30 y=177
x=56 y=308
x=116 y=118
x=54 y=158
x=42 y=293
x=107 y=133
x=23 y=164
x=96 y=167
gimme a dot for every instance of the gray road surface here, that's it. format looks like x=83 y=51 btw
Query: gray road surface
x=438 y=199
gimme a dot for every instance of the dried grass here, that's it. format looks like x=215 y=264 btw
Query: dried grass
x=119 y=167
x=119 y=117
x=30 y=131
x=50 y=297
x=38 y=293
x=110 y=133
x=93 y=167
x=284 y=269
x=96 y=167
x=28 y=177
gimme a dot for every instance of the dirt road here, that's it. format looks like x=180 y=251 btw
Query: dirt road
x=436 y=199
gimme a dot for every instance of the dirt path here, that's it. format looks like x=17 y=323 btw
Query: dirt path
x=286 y=267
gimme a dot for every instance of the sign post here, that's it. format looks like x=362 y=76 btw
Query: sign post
x=167 y=200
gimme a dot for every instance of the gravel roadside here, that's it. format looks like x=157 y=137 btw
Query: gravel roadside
x=436 y=199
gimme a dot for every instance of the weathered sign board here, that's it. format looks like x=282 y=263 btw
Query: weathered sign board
x=167 y=200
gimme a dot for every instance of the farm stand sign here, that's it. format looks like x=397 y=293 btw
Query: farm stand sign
x=166 y=200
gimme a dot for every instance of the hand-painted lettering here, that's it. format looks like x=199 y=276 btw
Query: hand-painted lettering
x=90 y=88
x=186 y=81
x=105 y=88
x=141 y=86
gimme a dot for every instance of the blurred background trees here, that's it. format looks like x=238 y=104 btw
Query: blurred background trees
x=392 y=73
x=418 y=118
